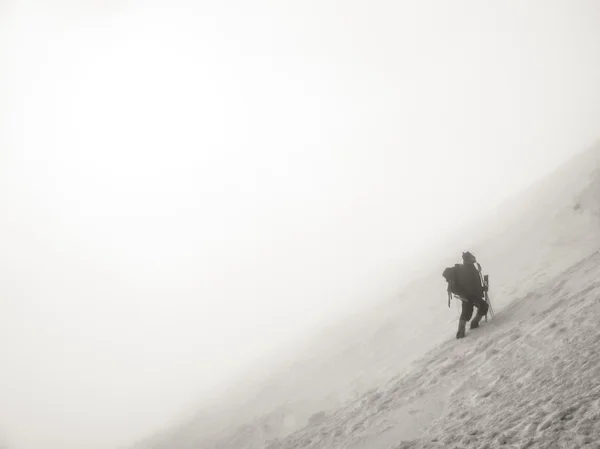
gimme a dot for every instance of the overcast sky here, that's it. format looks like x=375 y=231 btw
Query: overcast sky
x=186 y=186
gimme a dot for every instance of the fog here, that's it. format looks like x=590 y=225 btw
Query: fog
x=189 y=187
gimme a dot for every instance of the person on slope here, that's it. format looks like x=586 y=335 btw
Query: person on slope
x=471 y=289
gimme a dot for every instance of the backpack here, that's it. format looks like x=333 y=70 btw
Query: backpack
x=452 y=278
x=464 y=280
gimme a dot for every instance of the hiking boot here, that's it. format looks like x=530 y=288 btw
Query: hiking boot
x=476 y=320
x=461 y=329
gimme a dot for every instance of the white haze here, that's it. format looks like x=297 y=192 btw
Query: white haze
x=188 y=187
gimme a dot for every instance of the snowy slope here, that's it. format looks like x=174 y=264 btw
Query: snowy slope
x=529 y=378
x=540 y=250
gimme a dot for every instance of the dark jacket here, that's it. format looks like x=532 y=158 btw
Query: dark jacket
x=470 y=283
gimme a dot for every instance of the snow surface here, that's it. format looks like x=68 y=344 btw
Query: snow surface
x=395 y=376
x=528 y=378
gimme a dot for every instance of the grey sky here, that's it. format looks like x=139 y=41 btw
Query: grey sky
x=187 y=187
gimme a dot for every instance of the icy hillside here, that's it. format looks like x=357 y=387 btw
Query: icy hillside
x=529 y=378
x=540 y=250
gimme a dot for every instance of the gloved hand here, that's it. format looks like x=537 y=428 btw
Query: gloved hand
x=485 y=288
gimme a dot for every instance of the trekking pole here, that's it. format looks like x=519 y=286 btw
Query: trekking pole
x=486 y=280
x=458 y=310
x=456 y=302
x=490 y=308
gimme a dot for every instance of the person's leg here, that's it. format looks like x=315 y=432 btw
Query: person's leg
x=482 y=309
x=465 y=316
x=467 y=310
